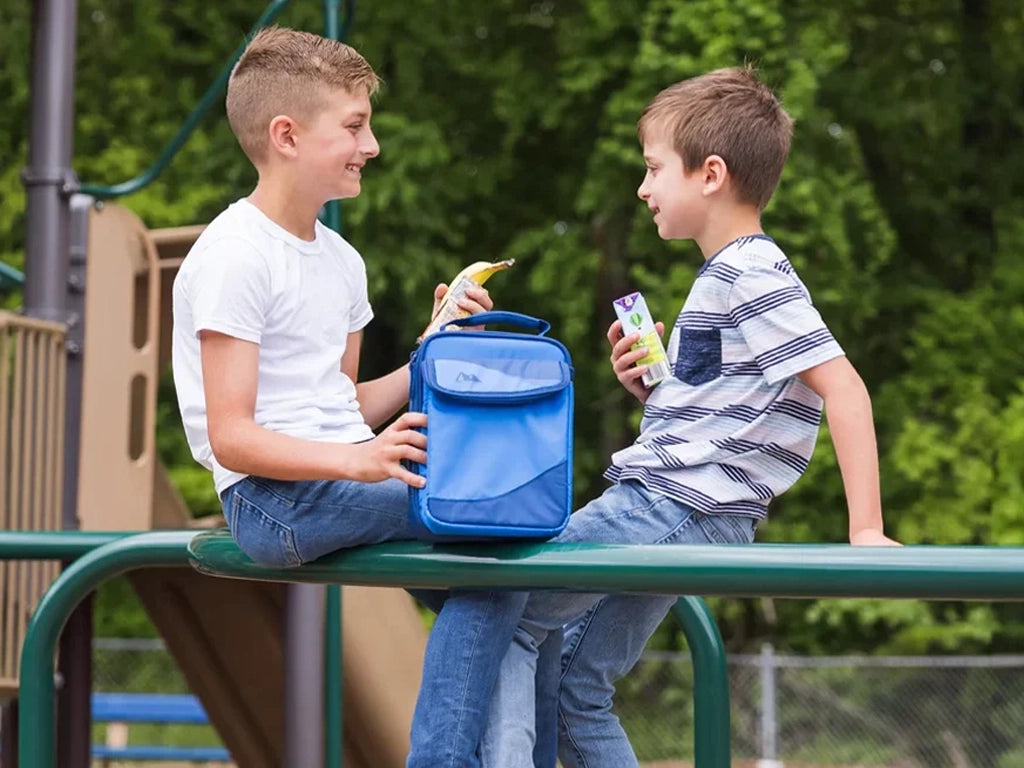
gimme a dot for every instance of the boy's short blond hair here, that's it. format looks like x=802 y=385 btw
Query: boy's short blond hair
x=286 y=72
x=729 y=113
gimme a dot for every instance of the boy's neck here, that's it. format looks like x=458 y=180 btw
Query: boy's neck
x=286 y=207
x=726 y=225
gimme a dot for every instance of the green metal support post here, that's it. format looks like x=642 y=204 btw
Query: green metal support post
x=36 y=710
x=711 y=723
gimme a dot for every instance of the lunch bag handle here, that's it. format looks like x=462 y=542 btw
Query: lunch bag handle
x=507 y=318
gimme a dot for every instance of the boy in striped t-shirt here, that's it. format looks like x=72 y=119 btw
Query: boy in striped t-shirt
x=733 y=427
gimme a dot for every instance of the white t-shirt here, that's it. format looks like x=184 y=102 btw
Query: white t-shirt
x=299 y=300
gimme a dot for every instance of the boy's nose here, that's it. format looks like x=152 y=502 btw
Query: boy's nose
x=370 y=147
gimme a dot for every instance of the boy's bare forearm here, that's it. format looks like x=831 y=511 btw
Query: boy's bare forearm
x=382 y=398
x=244 y=446
x=848 y=410
x=850 y=421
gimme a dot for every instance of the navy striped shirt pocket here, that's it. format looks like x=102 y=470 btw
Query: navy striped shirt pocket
x=699 y=356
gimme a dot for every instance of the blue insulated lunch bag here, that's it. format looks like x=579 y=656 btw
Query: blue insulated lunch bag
x=499 y=408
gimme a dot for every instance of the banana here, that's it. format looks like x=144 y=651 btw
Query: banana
x=476 y=273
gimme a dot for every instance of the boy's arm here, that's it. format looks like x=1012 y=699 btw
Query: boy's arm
x=382 y=398
x=848 y=409
x=379 y=399
x=230 y=375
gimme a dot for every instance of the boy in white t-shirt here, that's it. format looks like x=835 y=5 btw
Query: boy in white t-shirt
x=269 y=310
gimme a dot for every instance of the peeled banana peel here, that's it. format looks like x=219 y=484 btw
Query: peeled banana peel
x=476 y=273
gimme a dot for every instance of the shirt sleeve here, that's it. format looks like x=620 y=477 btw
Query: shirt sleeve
x=781 y=327
x=230 y=290
x=361 y=312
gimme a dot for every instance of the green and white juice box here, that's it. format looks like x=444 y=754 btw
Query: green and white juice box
x=632 y=311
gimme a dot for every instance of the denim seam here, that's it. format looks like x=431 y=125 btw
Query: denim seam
x=262 y=486
x=288 y=539
x=685 y=523
x=578 y=637
x=465 y=686
x=577 y=640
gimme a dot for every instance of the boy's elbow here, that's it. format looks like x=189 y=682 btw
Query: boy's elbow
x=226 y=448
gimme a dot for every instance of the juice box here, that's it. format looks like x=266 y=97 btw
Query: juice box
x=632 y=311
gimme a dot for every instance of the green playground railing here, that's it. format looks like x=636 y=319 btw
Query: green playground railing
x=119 y=553
x=800 y=571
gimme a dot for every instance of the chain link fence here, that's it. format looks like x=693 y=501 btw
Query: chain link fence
x=787 y=711
x=142 y=666
x=837 y=712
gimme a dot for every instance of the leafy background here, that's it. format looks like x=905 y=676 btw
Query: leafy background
x=508 y=130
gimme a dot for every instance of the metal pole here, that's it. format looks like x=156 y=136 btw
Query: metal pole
x=9 y=735
x=769 y=723
x=710 y=683
x=49 y=182
x=74 y=341
x=48 y=178
x=75 y=665
x=304 y=676
x=333 y=751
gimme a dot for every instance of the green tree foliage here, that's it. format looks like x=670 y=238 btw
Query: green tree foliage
x=508 y=130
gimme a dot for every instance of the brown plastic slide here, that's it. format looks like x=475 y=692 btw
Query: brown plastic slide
x=226 y=635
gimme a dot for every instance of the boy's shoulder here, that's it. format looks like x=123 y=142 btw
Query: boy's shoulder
x=751 y=253
x=242 y=227
x=234 y=224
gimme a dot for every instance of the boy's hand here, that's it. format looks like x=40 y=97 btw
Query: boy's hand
x=624 y=359
x=477 y=300
x=872 y=537
x=381 y=458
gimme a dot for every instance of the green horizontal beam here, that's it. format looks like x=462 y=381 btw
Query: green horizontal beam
x=780 y=570
x=52 y=545
x=785 y=570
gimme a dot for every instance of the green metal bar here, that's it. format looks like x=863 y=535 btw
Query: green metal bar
x=36 y=707
x=53 y=545
x=333 y=752
x=10 y=277
x=336 y=29
x=710 y=683
x=100 y=191
x=781 y=570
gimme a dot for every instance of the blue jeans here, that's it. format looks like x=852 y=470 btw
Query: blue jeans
x=286 y=523
x=604 y=636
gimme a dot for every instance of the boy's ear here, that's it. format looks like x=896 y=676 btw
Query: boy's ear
x=715 y=174
x=282 y=134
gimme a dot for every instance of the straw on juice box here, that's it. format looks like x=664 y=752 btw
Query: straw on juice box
x=636 y=318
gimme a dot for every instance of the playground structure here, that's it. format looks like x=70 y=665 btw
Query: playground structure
x=78 y=377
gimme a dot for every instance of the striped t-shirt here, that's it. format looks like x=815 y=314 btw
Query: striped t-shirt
x=734 y=427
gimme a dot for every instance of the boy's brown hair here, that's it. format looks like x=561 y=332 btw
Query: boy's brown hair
x=729 y=113
x=286 y=72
